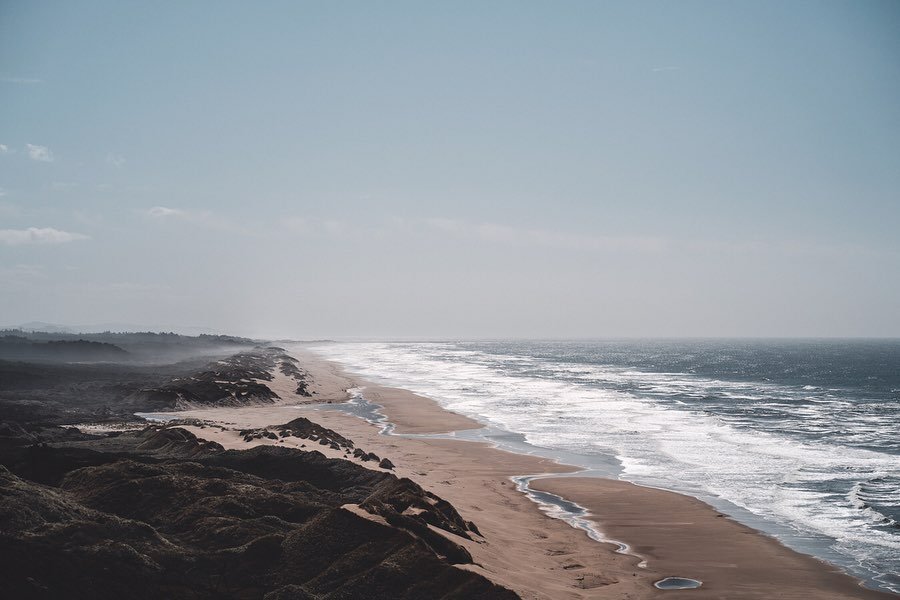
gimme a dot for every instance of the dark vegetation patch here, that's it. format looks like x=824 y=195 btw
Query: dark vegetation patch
x=144 y=347
x=21 y=348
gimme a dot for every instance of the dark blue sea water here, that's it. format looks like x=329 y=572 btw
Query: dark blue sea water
x=802 y=436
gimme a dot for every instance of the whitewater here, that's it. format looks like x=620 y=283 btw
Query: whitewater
x=797 y=438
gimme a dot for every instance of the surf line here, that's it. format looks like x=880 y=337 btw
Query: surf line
x=572 y=513
x=552 y=505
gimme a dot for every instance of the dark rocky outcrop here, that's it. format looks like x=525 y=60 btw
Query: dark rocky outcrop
x=159 y=513
x=404 y=496
x=289 y=367
x=366 y=456
x=306 y=429
x=58 y=392
x=232 y=381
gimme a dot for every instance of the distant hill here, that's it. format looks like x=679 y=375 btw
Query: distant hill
x=144 y=346
x=14 y=347
x=43 y=327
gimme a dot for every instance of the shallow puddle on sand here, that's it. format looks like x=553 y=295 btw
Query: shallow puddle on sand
x=677 y=583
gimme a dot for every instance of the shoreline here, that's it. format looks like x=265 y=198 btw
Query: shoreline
x=524 y=548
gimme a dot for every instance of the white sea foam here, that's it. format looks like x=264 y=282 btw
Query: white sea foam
x=590 y=409
x=855 y=497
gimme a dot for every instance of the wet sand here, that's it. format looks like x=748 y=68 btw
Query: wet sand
x=684 y=537
x=524 y=549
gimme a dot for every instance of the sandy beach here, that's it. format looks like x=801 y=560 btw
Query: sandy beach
x=521 y=547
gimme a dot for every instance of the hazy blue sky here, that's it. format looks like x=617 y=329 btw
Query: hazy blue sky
x=533 y=169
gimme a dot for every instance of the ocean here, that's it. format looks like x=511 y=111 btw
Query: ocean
x=797 y=438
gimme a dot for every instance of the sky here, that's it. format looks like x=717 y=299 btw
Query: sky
x=452 y=170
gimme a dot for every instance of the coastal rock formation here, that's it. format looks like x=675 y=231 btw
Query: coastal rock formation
x=289 y=367
x=149 y=373
x=232 y=381
x=306 y=429
x=301 y=428
x=159 y=513
x=58 y=391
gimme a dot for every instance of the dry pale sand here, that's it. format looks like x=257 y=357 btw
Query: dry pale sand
x=522 y=548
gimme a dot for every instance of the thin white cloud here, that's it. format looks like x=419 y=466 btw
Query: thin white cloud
x=39 y=153
x=198 y=218
x=22 y=272
x=38 y=235
x=4 y=149
x=115 y=160
x=788 y=248
x=130 y=287
x=664 y=69
x=494 y=233
x=445 y=225
x=548 y=238
x=315 y=225
x=300 y=225
x=21 y=80
x=162 y=212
